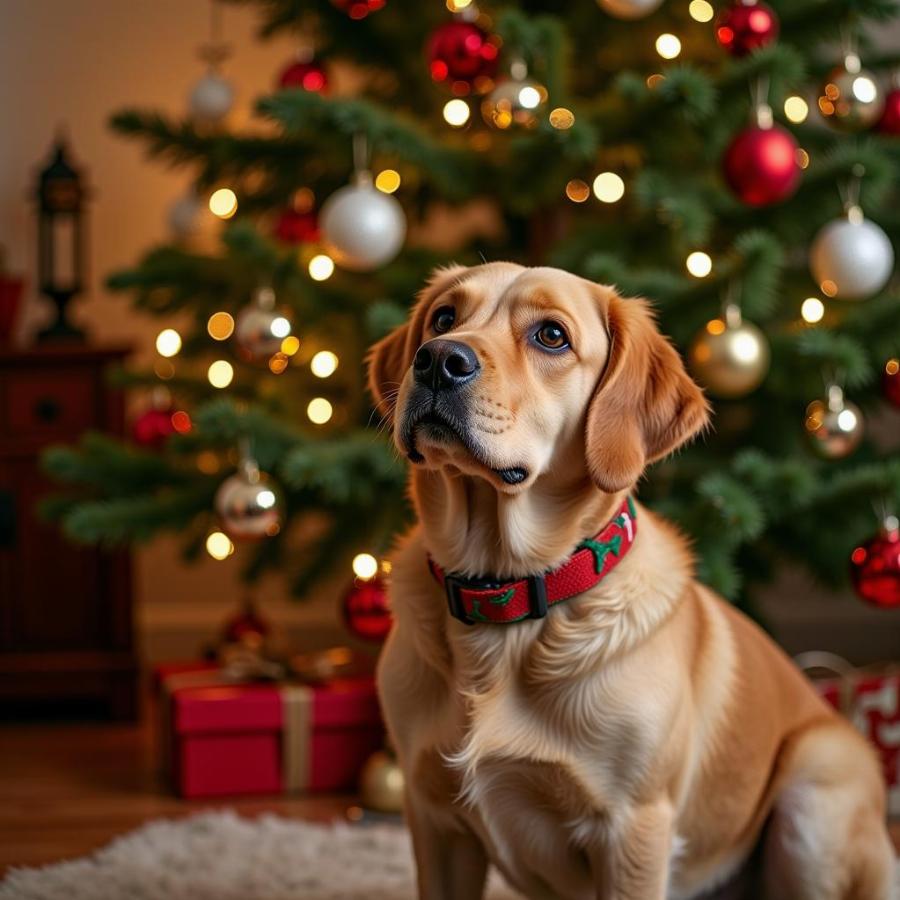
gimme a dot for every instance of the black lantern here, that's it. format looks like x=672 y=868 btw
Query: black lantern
x=61 y=244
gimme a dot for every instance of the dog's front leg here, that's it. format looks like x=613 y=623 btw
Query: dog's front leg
x=451 y=862
x=632 y=863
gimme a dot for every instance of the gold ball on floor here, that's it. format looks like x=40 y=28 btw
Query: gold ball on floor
x=381 y=783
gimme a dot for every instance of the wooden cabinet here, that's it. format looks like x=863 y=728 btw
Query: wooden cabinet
x=66 y=640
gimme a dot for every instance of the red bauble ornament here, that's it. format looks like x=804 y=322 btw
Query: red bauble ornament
x=461 y=51
x=746 y=26
x=307 y=74
x=889 y=123
x=154 y=426
x=890 y=381
x=760 y=165
x=366 y=610
x=246 y=626
x=875 y=567
x=294 y=227
x=358 y=9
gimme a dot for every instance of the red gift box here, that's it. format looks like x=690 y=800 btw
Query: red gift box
x=870 y=698
x=225 y=738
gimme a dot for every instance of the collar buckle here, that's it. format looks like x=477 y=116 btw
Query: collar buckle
x=454 y=586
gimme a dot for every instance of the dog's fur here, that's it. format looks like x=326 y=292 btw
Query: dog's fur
x=644 y=738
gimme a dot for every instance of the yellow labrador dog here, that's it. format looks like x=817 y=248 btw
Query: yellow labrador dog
x=567 y=702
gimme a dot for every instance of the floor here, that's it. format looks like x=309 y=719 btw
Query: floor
x=66 y=789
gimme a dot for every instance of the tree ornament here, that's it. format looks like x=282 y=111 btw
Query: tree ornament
x=294 y=227
x=184 y=216
x=515 y=101
x=362 y=227
x=247 y=503
x=358 y=9
x=461 y=53
x=889 y=123
x=629 y=9
x=211 y=98
x=890 y=381
x=366 y=610
x=850 y=99
x=304 y=72
x=760 y=164
x=260 y=327
x=729 y=357
x=875 y=566
x=156 y=424
x=381 y=783
x=746 y=26
x=851 y=257
x=246 y=626
x=834 y=425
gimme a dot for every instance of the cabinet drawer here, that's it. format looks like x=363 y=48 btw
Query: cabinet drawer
x=50 y=403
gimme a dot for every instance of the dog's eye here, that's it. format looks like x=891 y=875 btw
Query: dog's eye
x=443 y=319
x=552 y=336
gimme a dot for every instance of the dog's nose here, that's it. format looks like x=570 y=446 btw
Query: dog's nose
x=445 y=364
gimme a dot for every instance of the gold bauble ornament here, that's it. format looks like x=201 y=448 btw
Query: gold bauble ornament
x=515 y=101
x=729 y=357
x=381 y=783
x=851 y=99
x=834 y=425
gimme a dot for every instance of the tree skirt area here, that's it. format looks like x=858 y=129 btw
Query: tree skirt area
x=221 y=856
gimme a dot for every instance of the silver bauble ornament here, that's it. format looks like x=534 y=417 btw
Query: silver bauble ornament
x=184 y=216
x=851 y=258
x=729 y=357
x=381 y=783
x=515 y=101
x=629 y=9
x=260 y=328
x=211 y=98
x=834 y=425
x=851 y=99
x=362 y=227
x=247 y=503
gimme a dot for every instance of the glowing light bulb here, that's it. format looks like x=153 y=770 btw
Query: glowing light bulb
x=668 y=46
x=456 y=112
x=168 y=342
x=220 y=326
x=457 y=5
x=280 y=327
x=365 y=565
x=387 y=181
x=319 y=410
x=812 y=310
x=223 y=203
x=321 y=267
x=577 y=190
x=220 y=373
x=529 y=97
x=562 y=118
x=218 y=545
x=609 y=187
x=323 y=364
x=290 y=345
x=699 y=264
x=701 y=11
x=796 y=109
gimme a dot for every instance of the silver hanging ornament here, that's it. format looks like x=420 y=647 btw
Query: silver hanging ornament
x=851 y=99
x=515 y=101
x=212 y=96
x=261 y=327
x=833 y=425
x=247 y=504
x=729 y=357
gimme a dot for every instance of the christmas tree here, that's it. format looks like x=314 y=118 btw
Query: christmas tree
x=734 y=165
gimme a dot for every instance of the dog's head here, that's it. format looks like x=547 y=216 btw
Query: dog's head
x=511 y=373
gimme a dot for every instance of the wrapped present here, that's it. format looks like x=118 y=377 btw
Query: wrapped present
x=870 y=698
x=226 y=736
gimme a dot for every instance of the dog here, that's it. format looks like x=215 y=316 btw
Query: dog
x=566 y=701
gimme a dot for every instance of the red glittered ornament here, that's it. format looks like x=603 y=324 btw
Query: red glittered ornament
x=153 y=426
x=294 y=227
x=358 y=9
x=760 y=165
x=890 y=381
x=461 y=52
x=875 y=567
x=746 y=26
x=889 y=123
x=366 y=610
x=307 y=74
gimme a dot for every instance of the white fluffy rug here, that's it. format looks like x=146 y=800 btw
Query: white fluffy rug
x=221 y=856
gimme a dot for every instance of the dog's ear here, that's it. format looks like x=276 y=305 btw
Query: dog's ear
x=389 y=359
x=645 y=405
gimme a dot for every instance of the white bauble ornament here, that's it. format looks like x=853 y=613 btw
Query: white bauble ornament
x=212 y=98
x=629 y=9
x=362 y=227
x=851 y=258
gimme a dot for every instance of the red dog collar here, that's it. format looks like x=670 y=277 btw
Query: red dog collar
x=474 y=600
